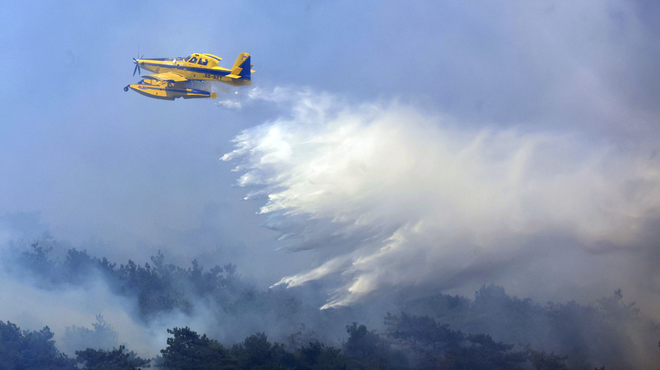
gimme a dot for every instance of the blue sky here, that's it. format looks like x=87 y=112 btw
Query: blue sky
x=140 y=174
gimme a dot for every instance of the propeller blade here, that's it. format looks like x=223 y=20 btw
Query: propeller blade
x=137 y=66
x=137 y=63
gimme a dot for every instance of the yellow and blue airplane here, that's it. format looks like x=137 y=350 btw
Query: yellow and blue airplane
x=172 y=74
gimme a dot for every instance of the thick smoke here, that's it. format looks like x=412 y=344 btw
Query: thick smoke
x=393 y=196
x=71 y=306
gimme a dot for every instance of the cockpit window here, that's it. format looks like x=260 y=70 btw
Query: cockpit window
x=193 y=60
x=203 y=61
x=188 y=58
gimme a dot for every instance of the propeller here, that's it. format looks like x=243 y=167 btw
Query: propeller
x=137 y=63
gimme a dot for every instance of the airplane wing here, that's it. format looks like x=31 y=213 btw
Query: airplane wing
x=167 y=76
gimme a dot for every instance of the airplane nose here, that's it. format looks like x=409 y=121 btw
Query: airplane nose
x=137 y=66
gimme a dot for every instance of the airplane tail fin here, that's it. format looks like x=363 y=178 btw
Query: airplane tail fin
x=242 y=66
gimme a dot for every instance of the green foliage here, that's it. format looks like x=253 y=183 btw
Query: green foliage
x=480 y=352
x=160 y=289
x=368 y=350
x=256 y=352
x=102 y=336
x=78 y=265
x=154 y=293
x=317 y=356
x=38 y=263
x=437 y=346
x=361 y=342
x=189 y=351
x=30 y=350
x=422 y=333
x=118 y=359
x=301 y=337
x=542 y=361
x=609 y=332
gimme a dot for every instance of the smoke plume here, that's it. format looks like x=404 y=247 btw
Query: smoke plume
x=394 y=196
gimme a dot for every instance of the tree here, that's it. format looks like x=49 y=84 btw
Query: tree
x=188 y=351
x=117 y=359
x=103 y=336
x=301 y=337
x=422 y=333
x=30 y=350
x=542 y=361
x=439 y=347
x=369 y=350
x=481 y=352
x=254 y=352
x=78 y=265
x=317 y=356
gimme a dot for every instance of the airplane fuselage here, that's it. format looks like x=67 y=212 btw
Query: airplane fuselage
x=192 y=71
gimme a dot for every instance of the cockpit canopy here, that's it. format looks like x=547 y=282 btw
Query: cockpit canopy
x=203 y=59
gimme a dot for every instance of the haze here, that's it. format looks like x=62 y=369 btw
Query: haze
x=384 y=146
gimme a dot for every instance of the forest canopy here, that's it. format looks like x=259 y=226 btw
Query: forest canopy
x=492 y=331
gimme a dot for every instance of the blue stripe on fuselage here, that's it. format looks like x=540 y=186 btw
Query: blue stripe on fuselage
x=189 y=69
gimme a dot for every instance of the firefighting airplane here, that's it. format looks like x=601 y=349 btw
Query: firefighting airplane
x=169 y=81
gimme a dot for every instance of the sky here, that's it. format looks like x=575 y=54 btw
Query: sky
x=428 y=145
